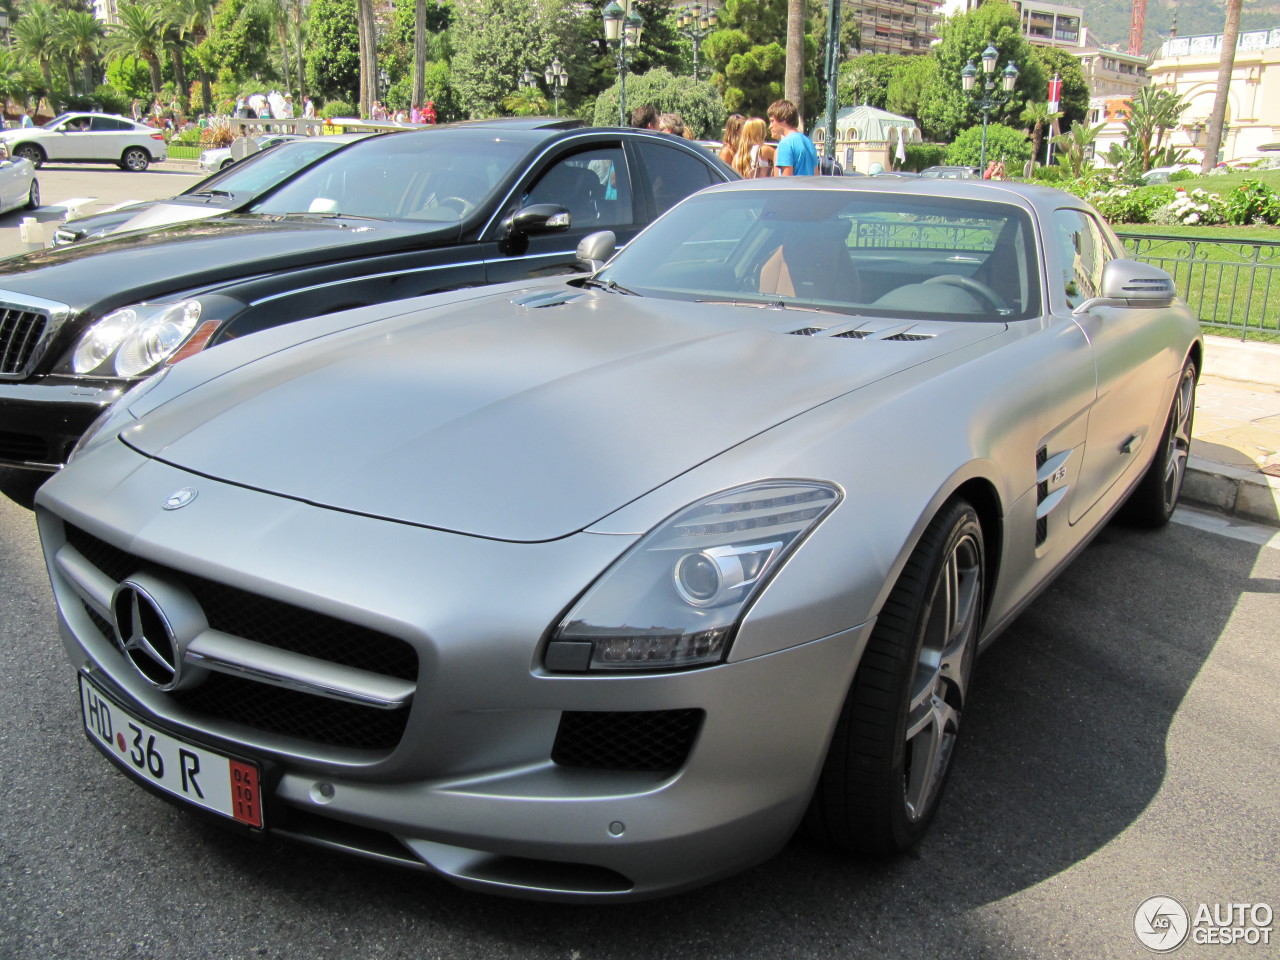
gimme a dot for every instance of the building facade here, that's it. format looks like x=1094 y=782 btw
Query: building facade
x=897 y=26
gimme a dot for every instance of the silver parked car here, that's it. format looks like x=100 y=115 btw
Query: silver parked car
x=596 y=588
x=89 y=138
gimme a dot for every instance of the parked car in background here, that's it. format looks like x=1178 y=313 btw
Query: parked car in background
x=219 y=158
x=229 y=190
x=949 y=173
x=595 y=588
x=89 y=138
x=1162 y=174
x=388 y=217
x=19 y=188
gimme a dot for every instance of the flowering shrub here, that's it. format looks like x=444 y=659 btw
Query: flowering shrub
x=1198 y=206
x=1136 y=205
x=1251 y=202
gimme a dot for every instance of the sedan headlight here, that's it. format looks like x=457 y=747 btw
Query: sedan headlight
x=675 y=598
x=133 y=340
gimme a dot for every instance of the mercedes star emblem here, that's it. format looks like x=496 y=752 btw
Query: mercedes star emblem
x=180 y=498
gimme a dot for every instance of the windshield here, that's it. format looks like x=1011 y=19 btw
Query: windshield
x=861 y=253
x=401 y=177
x=258 y=173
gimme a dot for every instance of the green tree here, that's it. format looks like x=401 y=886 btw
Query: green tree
x=35 y=37
x=18 y=77
x=908 y=85
x=333 y=60
x=526 y=102
x=239 y=40
x=697 y=101
x=1074 y=100
x=865 y=79
x=945 y=107
x=139 y=33
x=1152 y=114
x=748 y=63
x=1003 y=143
x=80 y=34
x=495 y=41
x=1075 y=148
x=1039 y=118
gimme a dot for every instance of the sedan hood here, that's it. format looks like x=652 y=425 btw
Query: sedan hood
x=505 y=420
x=191 y=255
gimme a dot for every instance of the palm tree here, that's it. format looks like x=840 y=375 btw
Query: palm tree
x=17 y=77
x=1226 y=64
x=35 y=36
x=81 y=35
x=368 y=34
x=193 y=18
x=1038 y=117
x=419 y=52
x=139 y=33
x=1074 y=148
x=793 y=81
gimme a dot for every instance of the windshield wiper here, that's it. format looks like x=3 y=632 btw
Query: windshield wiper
x=212 y=193
x=612 y=286
x=779 y=305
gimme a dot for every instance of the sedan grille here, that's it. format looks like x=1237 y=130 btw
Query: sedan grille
x=263 y=706
x=21 y=332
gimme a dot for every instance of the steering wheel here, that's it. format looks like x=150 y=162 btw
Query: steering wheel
x=976 y=287
x=464 y=205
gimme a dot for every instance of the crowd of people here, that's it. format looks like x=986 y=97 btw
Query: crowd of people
x=744 y=146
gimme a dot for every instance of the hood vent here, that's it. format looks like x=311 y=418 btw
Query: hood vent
x=553 y=298
x=853 y=334
x=910 y=337
x=806 y=331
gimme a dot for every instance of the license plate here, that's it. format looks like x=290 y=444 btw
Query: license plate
x=195 y=774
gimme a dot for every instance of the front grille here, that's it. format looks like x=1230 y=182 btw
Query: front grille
x=20 y=333
x=23 y=447
x=285 y=626
x=636 y=740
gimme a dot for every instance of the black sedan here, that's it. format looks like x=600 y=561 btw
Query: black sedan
x=395 y=216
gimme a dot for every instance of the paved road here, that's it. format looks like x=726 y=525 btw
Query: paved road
x=1122 y=744
x=107 y=186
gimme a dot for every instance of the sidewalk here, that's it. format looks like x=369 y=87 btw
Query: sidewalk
x=1235 y=444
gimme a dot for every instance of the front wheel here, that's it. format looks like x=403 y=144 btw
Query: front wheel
x=29 y=151
x=135 y=159
x=33 y=196
x=894 y=742
x=1154 y=499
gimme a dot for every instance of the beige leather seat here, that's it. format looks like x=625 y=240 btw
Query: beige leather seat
x=812 y=263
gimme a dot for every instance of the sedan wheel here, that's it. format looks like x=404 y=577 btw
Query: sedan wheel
x=135 y=159
x=33 y=196
x=895 y=740
x=1156 y=496
x=29 y=151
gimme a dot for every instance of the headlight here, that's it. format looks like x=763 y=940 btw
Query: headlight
x=132 y=340
x=675 y=598
x=115 y=416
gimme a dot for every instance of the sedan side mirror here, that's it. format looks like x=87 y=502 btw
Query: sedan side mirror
x=1131 y=283
x=596 y=248
x=537 y=218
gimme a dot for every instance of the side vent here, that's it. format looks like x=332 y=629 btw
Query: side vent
x=1042 y=492
x=805 y=331
x=909 y=337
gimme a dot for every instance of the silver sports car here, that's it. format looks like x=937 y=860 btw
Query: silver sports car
x=599 y=588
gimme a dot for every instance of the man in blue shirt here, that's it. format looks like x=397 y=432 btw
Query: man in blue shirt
x=797 y=156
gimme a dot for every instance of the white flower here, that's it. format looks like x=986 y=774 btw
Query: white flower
x=1193 y=218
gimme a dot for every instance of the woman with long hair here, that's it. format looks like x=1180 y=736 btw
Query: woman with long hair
x=754 y=157
x=729 y=139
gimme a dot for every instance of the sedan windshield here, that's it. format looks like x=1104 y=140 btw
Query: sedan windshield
x=398 y=177
x=255 y=174
x=862 y=253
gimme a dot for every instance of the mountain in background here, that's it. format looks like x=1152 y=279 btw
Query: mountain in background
x=1108 y=20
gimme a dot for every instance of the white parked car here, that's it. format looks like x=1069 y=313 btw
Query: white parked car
x=219 y=158
x=89 y=138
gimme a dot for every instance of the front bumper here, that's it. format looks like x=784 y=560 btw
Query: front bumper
x=474 y=787
x=41 y=418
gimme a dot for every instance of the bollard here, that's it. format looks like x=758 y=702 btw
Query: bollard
x=31 y=233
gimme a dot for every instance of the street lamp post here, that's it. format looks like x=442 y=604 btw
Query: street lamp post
x=622 y=29
x=968 y=78
x=557 y=78
x=695 y=23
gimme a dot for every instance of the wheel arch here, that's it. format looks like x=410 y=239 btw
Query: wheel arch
x=981 y=494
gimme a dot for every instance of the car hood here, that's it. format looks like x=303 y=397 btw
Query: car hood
x=515 y=422
x=163 y=214
x=127 y=267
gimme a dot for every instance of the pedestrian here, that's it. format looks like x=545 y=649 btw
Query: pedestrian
x=671 y=123
x=729 y=139
x=429 y=112
x=753 y=157
x=645 y=117
x=796 y=156
x=135 y=109
x=27 y=121
x=415 y=113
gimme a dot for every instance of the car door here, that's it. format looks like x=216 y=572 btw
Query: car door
x=669 y=172
x=67 y=142
x=1131 y=366
x=594 y=183
x=109 y=137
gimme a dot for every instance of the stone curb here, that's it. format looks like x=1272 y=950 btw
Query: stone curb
x=1244 y=494
x=1249 y=360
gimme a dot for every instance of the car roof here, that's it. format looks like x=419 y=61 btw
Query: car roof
x=1001 y=191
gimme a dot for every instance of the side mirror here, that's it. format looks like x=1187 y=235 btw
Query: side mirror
x=1131 y=283
x=537 y=218
x=596 y=248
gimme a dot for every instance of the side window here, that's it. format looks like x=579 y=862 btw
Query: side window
x=1084 y=252
x=593 y=186
x=106 y=123
x=674 y=174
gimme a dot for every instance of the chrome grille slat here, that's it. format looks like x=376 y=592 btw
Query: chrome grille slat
x=27 y=328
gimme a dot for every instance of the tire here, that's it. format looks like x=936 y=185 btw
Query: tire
x=29 y=151
x=225 y=164
x=135 y=160
x=894 y=743
x=33 y=196
x=1154 y=499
